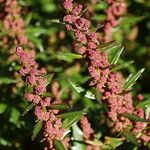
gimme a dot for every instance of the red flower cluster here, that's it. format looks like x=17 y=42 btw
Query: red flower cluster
x=35 y=78
x=109 y=83
x=115 y=10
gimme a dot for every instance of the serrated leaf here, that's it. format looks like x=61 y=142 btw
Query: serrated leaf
x=5 y=80
x=28 y=109
x=143 y=103
x=130 y=137
x=132 y=79
x=135 y=117
x=59 y=145
x=79 y=89
x=122 y=66
x=117 y=56
x=59 y=106
x=36 y=129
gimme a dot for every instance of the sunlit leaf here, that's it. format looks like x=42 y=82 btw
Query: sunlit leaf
x=77 y=136
x=28 y=109
x=143 y=103
x=59 y=145
x=122 y=66
x=36 y=130
x=79 y=89
x=132 y=79
x=117 y=56
x=70 y=121
x=109 y=46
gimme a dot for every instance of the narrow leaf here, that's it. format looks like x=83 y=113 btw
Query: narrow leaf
x=117 y=56
x=132 y=79
x=70 y=114
x=122 y=66
x=130 y=137
x=59 y=106
x=59 y=145
x=36 y=130
x=135 y=117
x=106 y=47
x=28 y=109
x=70 y=121
x=5 y=80
x=49 y=78
x=79 y=89
x=89 y=95
x=47 y=94
x=71 y=55
x=143 y=104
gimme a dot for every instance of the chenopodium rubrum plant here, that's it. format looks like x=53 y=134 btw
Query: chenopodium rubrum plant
x=116 y=93
x=37 y=81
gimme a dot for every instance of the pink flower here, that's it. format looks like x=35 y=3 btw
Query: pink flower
x=67 y=4
x=77 y=10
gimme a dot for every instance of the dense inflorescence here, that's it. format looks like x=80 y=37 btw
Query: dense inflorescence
x=109 y=83
x=88 y=133
x=14 y=33
x=35 y=78
x=115 y=10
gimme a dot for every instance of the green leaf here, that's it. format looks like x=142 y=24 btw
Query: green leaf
x=70 y=55
x=70 y=121
x=79 y=89
x=71 y=118
x=113 y=143
x=132 y=79
x=77 y=136
x=5 y=80
x=46 y=94
x=117 y=56
x=59 y=145
x=3 y=107
x=59 y=106
x=28 y=109
x=49 y=78
x=130 y=137
x=135 y=117
x=14 y=116
x=36 y=130
x=122 y=66
x=106 y=47
x=70 y=114
x=143 y=103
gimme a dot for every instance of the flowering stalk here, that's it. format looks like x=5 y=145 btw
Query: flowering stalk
x=115 y=10
x=35 y=78
x=13 y=27
x=119 y=101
